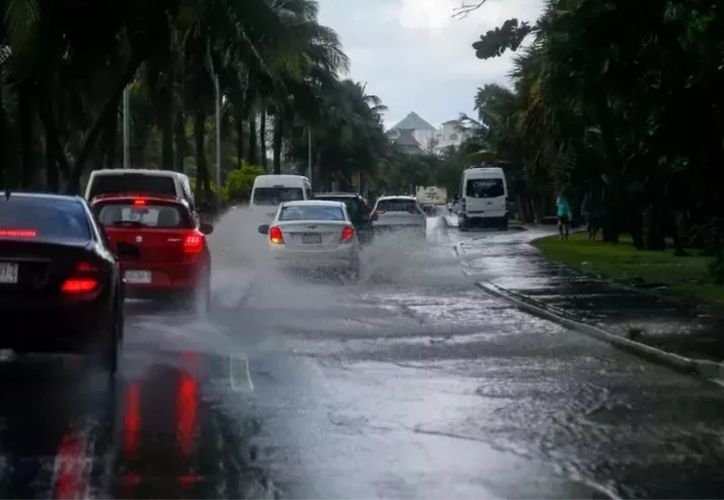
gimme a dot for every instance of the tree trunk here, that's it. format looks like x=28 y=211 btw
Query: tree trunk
x=26 y=136
x=240 y=136
x=167 y=140
x=203 y=184
x=52 y=177
x=180 y=140
x=278 y=138
x=4 y=181
x=262 y=139
x=253 y=155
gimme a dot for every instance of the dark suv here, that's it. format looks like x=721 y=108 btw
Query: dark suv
x=358 y=211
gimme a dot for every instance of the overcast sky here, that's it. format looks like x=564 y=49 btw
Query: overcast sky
x=416 y=57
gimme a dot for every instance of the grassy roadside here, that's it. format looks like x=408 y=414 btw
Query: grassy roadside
x=686 y=277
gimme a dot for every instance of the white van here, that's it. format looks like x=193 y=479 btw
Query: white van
x=271 y=190
x=483 y=198
x=132 y=180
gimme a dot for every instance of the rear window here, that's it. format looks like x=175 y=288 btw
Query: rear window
x=44 y=218
x=485 y=188
x=312 y=212
x=409 y=206
x=276 y=195
x=132 y=183
x=151 y=215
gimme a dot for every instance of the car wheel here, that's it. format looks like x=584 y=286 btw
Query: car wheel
x=462 y=224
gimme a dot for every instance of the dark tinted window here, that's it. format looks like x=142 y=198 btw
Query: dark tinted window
x=276 y=195
x=356 y=208
x=398 y=206
x=311 y=212
x=156 y=216
x=49 y=218
x=485 y=188
x=132 y=183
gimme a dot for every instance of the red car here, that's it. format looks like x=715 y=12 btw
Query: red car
x=161 y=247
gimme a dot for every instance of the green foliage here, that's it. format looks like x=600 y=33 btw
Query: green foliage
x=240 y=181
x=683 y=276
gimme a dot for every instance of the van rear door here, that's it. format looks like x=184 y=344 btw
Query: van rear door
x=485 y=196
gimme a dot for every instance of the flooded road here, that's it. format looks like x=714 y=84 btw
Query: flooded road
x=411 y=383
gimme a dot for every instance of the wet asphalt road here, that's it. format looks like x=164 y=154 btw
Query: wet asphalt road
x=412 y=383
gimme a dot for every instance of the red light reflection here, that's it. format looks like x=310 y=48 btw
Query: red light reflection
x=70 y=468
x=187 y=400
x=132 y=419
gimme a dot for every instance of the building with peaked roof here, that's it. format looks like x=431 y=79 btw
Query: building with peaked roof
x=414 y=135
x=422 y=131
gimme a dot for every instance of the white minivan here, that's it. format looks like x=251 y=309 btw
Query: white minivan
x=269 y=191
x=483 y=198
x=136 y=180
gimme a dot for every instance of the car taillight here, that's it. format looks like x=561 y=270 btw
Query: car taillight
x=79 y=285
x=193 y=243
x=139 y=202
x=347 y=233
x=275 y=235
x=378 y=212
x=84 y=279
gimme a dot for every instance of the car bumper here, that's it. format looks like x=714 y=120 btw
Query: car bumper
x=332 y=258
x=66 y=327
x=166 y=279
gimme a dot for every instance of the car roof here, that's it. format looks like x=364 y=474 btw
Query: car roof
x=142 y=171
x=318 y=203
x=276 y=180
x=338 y=195
x=41 y=196
x=134 y=196
x=398 y=197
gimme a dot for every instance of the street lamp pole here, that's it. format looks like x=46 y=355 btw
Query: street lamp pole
x=218 y=141
x=126 y=130
x=309 y=155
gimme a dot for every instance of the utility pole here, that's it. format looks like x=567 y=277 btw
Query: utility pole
x=218 y=141
x=309 y=155
x=126 y=130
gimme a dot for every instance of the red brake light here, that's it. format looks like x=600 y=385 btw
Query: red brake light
x=79 y=285
x=347 y=233
x=18 y=233
x=193 y=243
x=86 y=267
x=139 y=202
x=275 y=235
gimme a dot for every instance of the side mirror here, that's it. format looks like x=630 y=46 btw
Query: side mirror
x=206 y=228
x=264 y=229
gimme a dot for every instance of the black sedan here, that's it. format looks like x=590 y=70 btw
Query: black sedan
x=359 y=212
x=60 y=288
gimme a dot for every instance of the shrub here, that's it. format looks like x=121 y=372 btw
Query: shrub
x=240 y=181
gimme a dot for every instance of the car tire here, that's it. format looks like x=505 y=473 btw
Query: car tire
x=462 y=224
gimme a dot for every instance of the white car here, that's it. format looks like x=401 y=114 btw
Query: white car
x=312 y=235
x=396 y=213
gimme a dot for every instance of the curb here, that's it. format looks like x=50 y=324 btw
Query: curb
x=705 y=369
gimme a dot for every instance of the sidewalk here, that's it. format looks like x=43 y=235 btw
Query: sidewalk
x=508 y=261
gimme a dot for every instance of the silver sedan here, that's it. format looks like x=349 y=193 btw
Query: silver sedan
x=313 y=235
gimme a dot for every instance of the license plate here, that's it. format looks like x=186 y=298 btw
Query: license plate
x=311 y=238
x=8 y=272
x=138 y=277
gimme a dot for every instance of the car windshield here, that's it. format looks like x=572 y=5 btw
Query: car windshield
x=47 y=218
x=485 y=188
x=397 y=205
x=272 y=196
x=149 y=215
x=132 y=183
x=311 y=212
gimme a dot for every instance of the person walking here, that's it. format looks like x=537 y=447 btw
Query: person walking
x=564 y=216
